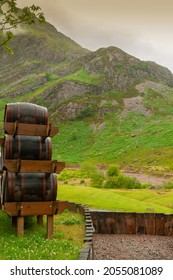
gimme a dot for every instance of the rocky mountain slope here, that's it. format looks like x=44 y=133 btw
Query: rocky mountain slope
x=100 y=96
x=48 y=66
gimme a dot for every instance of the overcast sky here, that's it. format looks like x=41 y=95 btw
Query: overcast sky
x=143 y=28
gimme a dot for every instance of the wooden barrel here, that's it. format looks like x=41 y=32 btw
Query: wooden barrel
x=26 y=147
x=25 y=113
x=29 y=187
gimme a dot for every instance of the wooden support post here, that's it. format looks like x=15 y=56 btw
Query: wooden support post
x=40 y=220
x=20 y=226
x=14 y=221
x=49 y=226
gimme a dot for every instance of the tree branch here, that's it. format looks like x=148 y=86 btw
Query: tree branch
x=11 y=17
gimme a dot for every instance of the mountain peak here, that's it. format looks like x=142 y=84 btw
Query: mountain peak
x=42 y=42
x=47 y=65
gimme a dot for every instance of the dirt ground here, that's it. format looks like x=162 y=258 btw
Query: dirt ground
x=132 y=247
x=148 y=179
x=154 y=181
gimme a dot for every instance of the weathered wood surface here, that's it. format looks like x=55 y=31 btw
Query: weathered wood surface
x=25 y=112
x=27 y=166
x=49 y=233
x=16 y=128
x=20 y=226
x=27 y=147
x=30 y=208
x=29 y=187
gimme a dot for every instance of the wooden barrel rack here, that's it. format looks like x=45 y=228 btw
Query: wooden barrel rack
x=28 y=184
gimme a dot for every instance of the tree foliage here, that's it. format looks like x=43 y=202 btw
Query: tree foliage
x=11 y=17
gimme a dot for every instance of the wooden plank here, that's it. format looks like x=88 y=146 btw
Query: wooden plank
x=30 y=129
x=10 y=208
x=49 y=226
x=110 y=223
x=140 y=223
x=150 y=223
x=30 y=208
x=37 y=208
x=27 y=166
x=130 y=223
x=168 y=225
x=20 y=226
x=62 y=205
x=119 y=222
x=160 y=224
x=59 y=166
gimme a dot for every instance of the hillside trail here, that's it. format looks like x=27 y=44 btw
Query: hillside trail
x=154 y=181
x=151 y=179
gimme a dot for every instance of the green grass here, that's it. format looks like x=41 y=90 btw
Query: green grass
x=71 y=143
x=66 y=244
x=35 y=93
x=84 y=77
x=52 y=80
x=119 y=200
x=136 y=140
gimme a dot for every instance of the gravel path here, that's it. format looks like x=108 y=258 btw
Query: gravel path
x=132 y=247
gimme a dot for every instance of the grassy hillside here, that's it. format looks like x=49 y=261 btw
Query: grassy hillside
x=99 y=133
x=135 y=140
x=109 y=105
x=119 y=200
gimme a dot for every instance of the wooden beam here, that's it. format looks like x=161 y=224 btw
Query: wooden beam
x=25 y=166
x=30 y=208
x=49 y=226
x=16 y=128
x=10 y=208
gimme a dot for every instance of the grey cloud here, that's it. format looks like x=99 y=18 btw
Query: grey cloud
x=141 y=27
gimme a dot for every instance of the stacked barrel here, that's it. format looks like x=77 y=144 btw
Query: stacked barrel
x=22 y=144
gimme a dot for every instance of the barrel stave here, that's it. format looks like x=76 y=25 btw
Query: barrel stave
x=26 y=147
x=27 y=187
x=26 y=113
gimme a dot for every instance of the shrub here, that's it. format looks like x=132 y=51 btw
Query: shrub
x=97 y=180
x=122 y=182
x=86 y=112
x=92 y=172
x=82 y=181
x=113 y=170
x=88 y=169
x=67 y=174
x=111 y=183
